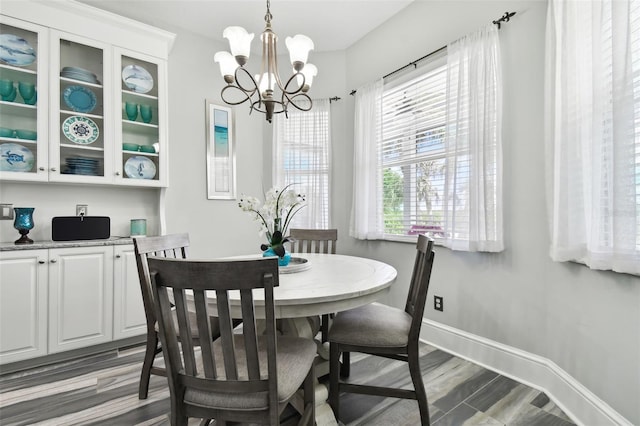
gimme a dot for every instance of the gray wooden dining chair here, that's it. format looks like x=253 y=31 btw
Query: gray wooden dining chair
x=385 y=331
x=315 y=241
x=244 y=376
x=170 y=246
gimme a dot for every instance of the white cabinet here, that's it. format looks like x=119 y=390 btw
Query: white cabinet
x=128 y=311
x=23 y=305
x=80 y=297
x=90 y=66
x=58 y=299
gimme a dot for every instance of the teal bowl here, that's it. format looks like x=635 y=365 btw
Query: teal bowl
x=147 y=148
x=130 y=146
x=6 y=132
x=27 y=134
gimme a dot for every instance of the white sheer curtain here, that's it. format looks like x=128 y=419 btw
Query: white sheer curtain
x=302 y=156
x=473 y=143
x=592 y=132
x=366 y=210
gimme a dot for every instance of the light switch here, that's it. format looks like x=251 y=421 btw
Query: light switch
x=6 y=211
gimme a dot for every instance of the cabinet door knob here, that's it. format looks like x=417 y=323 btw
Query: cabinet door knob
x=53 y=169
x=117 y=173
x=41 y=169
x=54 y=260
x=41 y=262
x=118 y=256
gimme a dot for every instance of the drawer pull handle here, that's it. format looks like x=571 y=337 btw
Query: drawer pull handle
x=42 y=262
x=54 y=260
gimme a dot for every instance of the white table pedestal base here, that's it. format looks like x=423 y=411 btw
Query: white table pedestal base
x=308 y=328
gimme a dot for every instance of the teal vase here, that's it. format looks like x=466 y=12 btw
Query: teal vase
x=282 y=261
x=23 y=223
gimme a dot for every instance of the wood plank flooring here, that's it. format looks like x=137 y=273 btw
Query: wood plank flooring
x=103 y=390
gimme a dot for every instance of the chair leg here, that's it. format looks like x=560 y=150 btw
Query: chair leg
x=149 y=357
x=334 y=379
x=418 y=385
x=345 y=368
x=324 y=328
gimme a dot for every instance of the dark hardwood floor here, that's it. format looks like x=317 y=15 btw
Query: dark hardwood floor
x=102 y=390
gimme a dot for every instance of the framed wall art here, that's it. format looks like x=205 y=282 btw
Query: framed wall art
x=221 y=156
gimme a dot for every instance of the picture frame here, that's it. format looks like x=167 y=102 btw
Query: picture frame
x=221 y=155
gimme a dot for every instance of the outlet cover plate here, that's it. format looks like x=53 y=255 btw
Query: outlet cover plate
x=6 y=211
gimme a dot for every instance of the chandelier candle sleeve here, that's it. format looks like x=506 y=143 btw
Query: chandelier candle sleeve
x=266 y=92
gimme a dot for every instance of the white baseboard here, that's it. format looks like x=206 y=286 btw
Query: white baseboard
x=578 y=402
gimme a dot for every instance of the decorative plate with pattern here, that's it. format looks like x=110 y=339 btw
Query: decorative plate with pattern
x=15 y=158
x=16 y=51
x=80 y=130
x=79 y=98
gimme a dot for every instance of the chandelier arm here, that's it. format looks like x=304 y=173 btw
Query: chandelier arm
x=291 y=101
x=248 y=91
x=299 y=89
x=230 y=86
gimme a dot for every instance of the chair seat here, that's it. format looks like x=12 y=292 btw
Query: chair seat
x=294 y=358
x=373 y=325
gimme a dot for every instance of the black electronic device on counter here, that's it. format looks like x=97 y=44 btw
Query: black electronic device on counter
x=70 y=228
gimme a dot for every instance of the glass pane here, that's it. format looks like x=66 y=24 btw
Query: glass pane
x=18 y=101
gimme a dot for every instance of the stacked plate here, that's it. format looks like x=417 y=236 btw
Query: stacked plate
x=81 y=166
x=81 y=74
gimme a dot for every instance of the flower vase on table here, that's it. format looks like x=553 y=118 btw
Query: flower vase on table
x=274 y=216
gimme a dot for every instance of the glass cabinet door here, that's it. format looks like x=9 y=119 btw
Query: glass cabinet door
x=81 y=147
x=23 y=100
x=140 y=129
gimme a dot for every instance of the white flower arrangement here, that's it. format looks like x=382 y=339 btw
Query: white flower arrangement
x=274 y=215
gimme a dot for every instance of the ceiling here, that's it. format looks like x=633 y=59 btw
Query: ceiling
x=331 y=24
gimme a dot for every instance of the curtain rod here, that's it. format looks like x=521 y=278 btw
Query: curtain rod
x=504 y=18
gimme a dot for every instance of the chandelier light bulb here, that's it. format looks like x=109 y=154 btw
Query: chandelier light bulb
x=309 y=71
x=239 y=42
x=299 y=47
x=227 y=64
x=266 y=81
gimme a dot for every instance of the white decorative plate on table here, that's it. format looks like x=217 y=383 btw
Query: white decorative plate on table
x=296 y=264
x=80 y=130
x=139 y=167
x=137 y=78
x=15 y=158
x=16 y=51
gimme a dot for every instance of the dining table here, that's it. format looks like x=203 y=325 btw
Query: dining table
x=314 y=284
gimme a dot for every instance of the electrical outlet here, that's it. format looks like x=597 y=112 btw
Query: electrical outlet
x=438 y=303
x=82 y=210
x=6 y=211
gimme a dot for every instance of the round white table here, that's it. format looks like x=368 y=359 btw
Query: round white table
x=332 y=283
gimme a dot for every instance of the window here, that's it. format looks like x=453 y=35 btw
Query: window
x=302 y=158
x=436 y=160
x=412 y=155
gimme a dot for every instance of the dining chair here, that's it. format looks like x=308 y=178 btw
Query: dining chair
x=171 y=246
x=385 y=331
x=315 y=241
x=245 y=375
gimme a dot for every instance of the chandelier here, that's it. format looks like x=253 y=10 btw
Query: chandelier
x=260 y=90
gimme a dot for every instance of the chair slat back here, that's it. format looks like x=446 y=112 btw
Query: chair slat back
x=420 y=277
x=170 y=246
x=234 y=367
x=313 y=240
